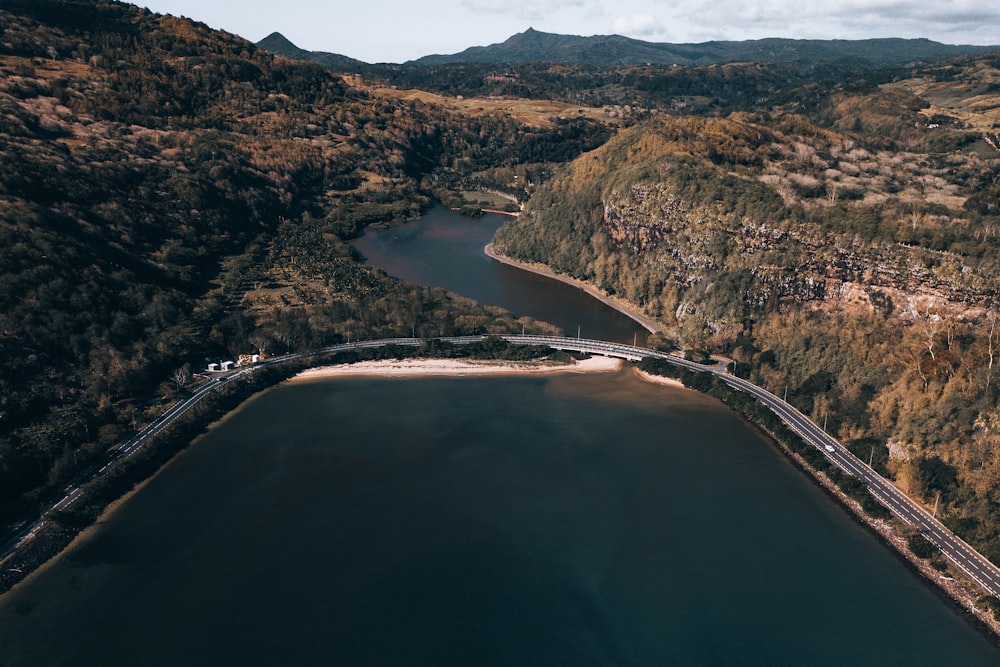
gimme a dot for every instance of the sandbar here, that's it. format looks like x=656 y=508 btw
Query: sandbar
x=659 y=379
x=458 y=367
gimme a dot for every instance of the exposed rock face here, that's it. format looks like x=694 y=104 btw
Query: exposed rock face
x=692 y=244
x=637 y=230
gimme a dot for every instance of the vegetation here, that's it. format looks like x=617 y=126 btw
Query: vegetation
x=629 y=78
x=172 y=194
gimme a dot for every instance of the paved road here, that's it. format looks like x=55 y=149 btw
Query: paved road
x=957 y=551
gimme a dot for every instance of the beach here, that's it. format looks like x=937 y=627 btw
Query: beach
x=457 y=367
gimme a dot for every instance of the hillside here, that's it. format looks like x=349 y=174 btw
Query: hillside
x=154 y=172
x=856 y=265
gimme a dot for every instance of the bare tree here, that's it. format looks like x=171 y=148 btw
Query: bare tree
x=181 y=376
x=287 y=338
x=259 y=341
x=991 y=338
x=930 y=327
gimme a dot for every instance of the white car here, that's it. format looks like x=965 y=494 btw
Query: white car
x=830 y=448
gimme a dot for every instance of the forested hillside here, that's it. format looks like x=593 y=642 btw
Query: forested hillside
x=153 y=171
x=851 y=259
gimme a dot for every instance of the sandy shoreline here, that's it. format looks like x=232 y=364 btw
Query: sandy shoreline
x=609 y=301
x=456 y=367
x=660 y=379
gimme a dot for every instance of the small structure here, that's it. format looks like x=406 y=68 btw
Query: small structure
x=247 y=360
x=213 y=368
x=227 y=365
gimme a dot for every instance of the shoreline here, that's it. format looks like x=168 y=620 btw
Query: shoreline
x=85 y=534
x=662 y=379
x=398 y=368
x=608 y=300
x=961 y=593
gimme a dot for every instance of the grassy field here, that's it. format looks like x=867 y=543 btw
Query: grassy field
x=486 y=199
x=536 y=113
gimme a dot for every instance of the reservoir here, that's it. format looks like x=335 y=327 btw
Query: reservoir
x=531 y=520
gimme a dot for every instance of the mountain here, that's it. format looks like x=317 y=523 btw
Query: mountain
x=614 y=50
x=278 y=43
x=533 y=46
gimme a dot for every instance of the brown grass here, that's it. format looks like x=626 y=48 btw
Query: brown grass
x=534 y=113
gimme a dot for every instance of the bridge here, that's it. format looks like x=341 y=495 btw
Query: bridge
x=963 y=556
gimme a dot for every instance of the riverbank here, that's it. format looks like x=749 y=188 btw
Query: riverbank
x=625 y=309
x=959 y=591
x=457 y=367
x=660 y=379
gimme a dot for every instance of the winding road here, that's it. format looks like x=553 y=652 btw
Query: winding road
x=952 y=547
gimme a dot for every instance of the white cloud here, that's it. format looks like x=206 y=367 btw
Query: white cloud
x=637 y=25
x=849 y=19
x=524 y=9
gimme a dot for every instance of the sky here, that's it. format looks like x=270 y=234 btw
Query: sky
x=395 y=31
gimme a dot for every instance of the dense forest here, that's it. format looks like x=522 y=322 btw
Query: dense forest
x=848 y=258
x=155 y=172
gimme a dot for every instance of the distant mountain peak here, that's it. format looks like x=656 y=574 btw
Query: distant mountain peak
x=278 y=39
x=278 y=43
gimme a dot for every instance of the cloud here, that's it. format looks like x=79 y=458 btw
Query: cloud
x=843 y=19
x=637 y=25
x=524 y=9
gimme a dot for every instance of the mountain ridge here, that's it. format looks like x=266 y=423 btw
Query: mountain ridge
x=615 y=50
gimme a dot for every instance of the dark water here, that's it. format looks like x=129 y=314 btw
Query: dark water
x=567 y=520
x=445 y=250
x=505 y=521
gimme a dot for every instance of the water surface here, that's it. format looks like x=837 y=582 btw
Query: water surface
x=563 y=520
x=445 y=249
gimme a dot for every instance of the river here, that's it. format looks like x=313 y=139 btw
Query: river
x=446 y=250
x=541 y=520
